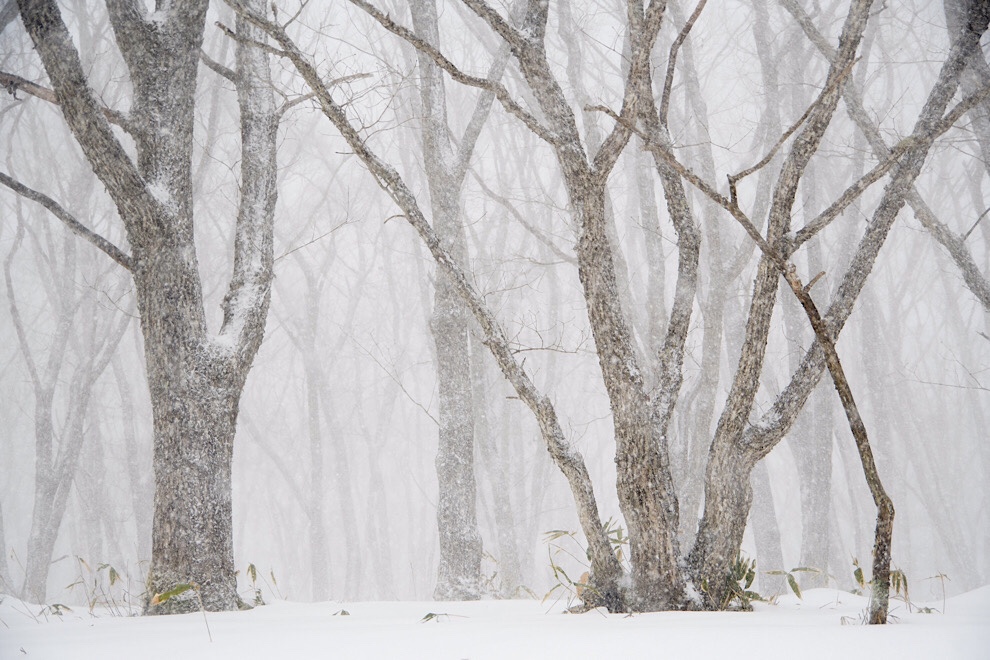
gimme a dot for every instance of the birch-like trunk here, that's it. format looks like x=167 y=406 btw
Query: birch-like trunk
x=459 y=573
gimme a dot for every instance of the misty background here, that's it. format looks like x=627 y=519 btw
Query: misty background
x=335 y=487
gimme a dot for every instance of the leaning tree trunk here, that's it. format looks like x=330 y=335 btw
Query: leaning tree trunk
x=715 y=549
x=728 y=495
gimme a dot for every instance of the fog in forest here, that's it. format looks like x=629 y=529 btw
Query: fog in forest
x=335 y=486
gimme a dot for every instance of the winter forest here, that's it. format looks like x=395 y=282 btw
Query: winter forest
x=646 y=305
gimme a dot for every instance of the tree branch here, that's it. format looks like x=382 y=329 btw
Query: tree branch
x=941 y=233
x=217 y=68
x=735 y=178
x=502 y=28
x=499 y=90
x=8 y=12
x=69 y=220
x=13 y=83
x=975 y=280
x=668 y=81
x=521 y=219
x=247 y=41
x=83 y=114
x=643 y=31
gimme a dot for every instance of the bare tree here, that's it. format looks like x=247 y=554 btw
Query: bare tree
x=446 y=167
x=640 y=413
x=195 y=376
x=58 y=442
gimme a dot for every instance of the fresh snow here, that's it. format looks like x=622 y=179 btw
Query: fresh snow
x=822 y=625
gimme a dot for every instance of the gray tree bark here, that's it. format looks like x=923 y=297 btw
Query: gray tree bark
x=760 y=437
x=459 y=573
x=570 y=462
x=728 y=495
x=640 y=416
x=195 y=378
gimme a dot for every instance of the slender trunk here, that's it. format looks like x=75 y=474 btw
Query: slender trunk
x=813 y=453
x=459 y=576
x=142 y=494
x=41 y=542
x=319 y=549
x=345 y=497
x=460 y=543
x=496 y=464
x=766 y=529
x=6 y=581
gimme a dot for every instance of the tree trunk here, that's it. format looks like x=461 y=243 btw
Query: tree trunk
x=459 y=576
x=646 y=491
x=727 y=504
x=195 y=380
x=766 y=531
x=192 y=539
x=6 y=581
x=460 y=542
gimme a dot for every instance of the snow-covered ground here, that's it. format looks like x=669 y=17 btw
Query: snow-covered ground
x=822 y=625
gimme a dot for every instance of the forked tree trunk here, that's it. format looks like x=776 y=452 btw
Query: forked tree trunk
x=728 y=495
x=195 y=379
x=646 y=492
x=459 y=574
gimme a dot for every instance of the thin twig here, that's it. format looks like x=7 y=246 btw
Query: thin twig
x=310 y=242
x=521 y=219
x=735 y=178
x=397 y=381
x=501 y=93
x=982 y=215
x=271 y=50
x=893 y=157
x=668 y=81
